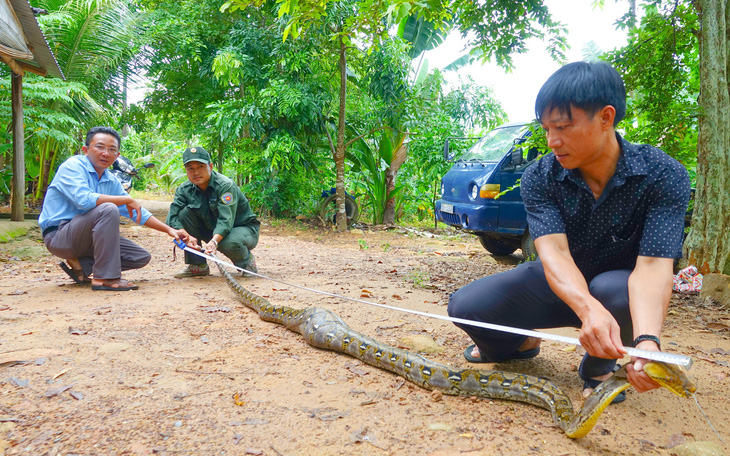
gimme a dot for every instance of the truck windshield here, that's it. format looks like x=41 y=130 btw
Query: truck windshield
x=493 y=146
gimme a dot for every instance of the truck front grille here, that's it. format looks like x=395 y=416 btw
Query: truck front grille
x=451 y=219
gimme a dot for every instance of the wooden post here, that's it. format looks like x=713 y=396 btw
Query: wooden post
x=17 y=199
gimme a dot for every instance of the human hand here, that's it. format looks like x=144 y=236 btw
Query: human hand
x=133 y=207
x=178 y=235
x=635 y=370
x=210 y=247
x=600 y=335
x=192 y=242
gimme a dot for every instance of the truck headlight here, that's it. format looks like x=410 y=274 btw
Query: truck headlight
x=443 y=187
x=473 y=191
x=489 y=191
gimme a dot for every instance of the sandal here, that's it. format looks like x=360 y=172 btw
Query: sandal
x=592 y=383
x=115 y=285
x=77 y=275
x=525 y=354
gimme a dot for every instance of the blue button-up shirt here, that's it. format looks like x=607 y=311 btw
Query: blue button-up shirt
x=75 y=189
x=640 y=212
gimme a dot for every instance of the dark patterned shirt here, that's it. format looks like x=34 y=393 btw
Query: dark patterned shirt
x=640 y=212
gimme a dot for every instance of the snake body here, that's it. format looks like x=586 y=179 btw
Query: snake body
x=323 y=329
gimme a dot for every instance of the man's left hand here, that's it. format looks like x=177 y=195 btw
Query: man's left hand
x=635 y=370
x=210 y=247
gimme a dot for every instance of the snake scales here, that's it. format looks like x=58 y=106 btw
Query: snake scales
x=323 y=329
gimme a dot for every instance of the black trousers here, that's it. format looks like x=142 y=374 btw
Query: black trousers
x=522 y=298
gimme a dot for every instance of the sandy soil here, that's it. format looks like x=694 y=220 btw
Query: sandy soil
x=180 y=367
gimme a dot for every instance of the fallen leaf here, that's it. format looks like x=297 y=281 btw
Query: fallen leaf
x=18 y=382
x=78 y=395
x=238 y=399
x=16 y=293
x=61 y=373
x=355 y=369
x=77 y=331
x=718 y=326
x=675 y=440
x=56 y=391
x=255 y=422
x=211 y=309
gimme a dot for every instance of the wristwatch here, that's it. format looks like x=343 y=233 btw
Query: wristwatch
x=644 y=337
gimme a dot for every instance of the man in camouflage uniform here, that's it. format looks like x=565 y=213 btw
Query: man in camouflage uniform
x=212 y=209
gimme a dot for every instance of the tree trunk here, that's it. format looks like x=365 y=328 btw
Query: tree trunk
x=708 y=243
x=391 y=172
x=17 y=199
x=389 y=210
x=340 y=150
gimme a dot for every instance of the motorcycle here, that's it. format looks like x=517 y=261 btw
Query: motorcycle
x=123 y=169
x=328 y=207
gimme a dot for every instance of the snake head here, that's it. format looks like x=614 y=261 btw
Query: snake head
x=672 y=377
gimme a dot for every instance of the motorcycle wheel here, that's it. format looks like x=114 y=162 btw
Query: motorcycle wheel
x=328 y=209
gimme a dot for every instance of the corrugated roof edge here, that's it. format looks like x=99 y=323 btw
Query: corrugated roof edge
x=44 y=58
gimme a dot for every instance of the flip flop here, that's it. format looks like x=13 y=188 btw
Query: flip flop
x=75 y=273
x=526 y=354
x=122 y=285
x=592 y=383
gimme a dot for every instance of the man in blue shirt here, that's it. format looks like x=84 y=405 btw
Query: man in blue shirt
x=80 y=217
x=607 y=217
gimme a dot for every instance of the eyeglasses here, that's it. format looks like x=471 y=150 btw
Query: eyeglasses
x=100 y=148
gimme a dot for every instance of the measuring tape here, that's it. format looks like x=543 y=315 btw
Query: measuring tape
x=670 y=358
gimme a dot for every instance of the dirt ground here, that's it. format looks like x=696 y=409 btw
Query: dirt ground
x=181 y=367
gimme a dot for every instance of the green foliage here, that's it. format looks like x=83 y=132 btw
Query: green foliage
x=660 y=67
x=47 y=125
x=370 y=158
x=93 y=41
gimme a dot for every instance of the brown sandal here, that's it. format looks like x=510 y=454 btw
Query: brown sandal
x=77 y=275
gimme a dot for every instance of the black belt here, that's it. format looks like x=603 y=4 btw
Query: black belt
x=50 y=229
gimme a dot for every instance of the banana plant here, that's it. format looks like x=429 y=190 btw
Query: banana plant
x=374 y=160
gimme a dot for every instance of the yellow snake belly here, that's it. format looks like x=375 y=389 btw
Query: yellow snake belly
x=324 y=329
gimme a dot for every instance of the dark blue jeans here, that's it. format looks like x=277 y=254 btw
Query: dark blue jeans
x=522 y=298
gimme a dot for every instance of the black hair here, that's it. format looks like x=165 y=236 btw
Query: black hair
x=589 y=86
x=106 y=130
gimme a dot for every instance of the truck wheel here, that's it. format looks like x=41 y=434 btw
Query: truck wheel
x=328 y=209
x=496 y=246
x=529 y=252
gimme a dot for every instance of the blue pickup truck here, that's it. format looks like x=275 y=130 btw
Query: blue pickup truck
x=478 y=193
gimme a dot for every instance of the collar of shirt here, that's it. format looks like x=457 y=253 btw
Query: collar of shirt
x=106 y=175
x=210 y=188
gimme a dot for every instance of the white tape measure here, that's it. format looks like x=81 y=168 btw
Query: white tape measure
x=670 y=358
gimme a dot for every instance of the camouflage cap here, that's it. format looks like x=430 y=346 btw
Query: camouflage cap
x=197 y=154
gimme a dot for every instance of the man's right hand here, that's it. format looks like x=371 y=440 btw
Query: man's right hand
x=135 y=206
x=600 y=334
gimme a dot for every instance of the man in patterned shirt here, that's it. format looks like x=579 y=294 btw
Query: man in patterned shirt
x=211 y=208
x=607 y=217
